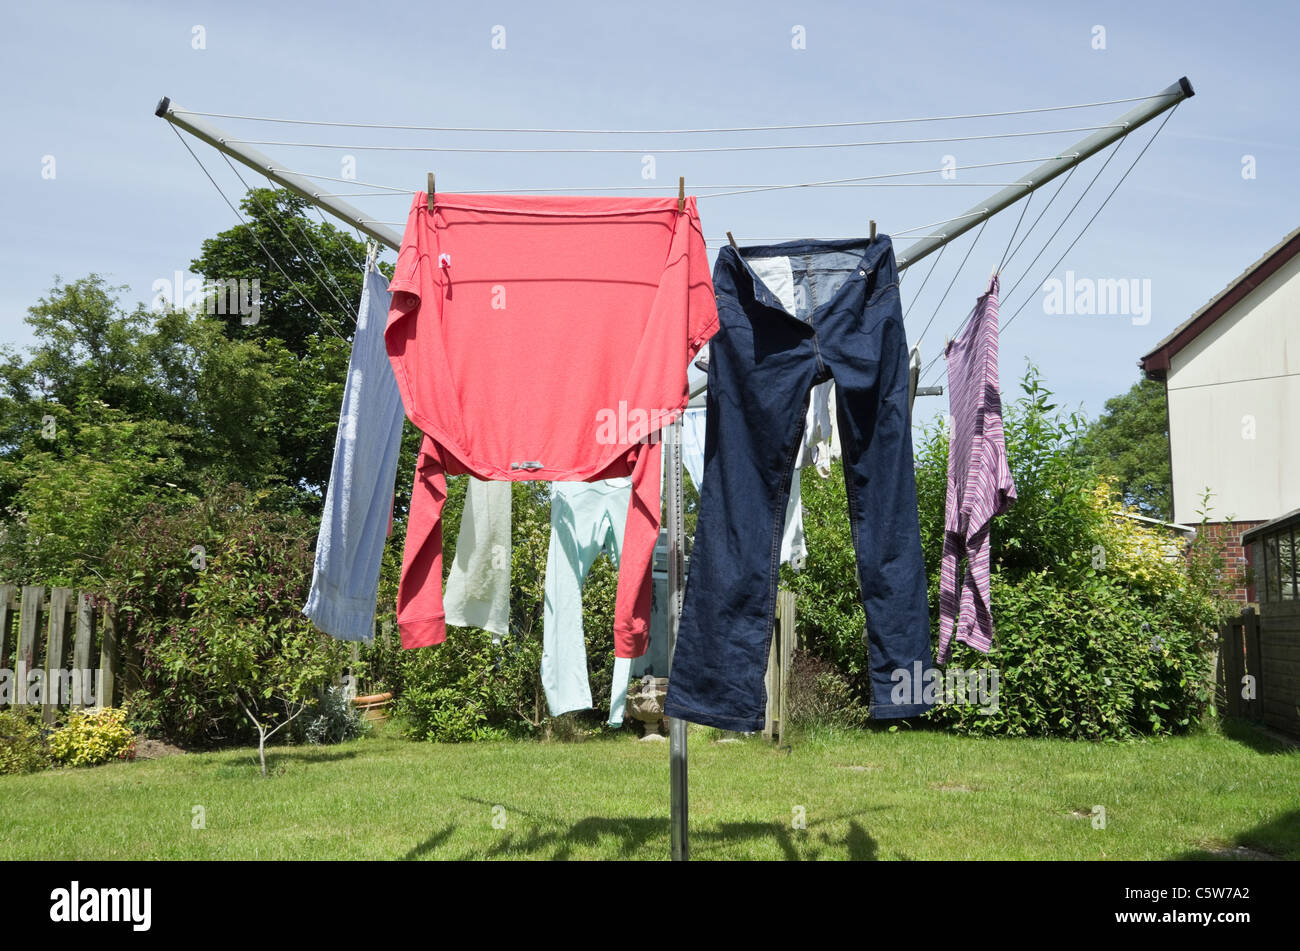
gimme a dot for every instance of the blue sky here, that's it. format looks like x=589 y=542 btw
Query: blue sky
x=127 y=201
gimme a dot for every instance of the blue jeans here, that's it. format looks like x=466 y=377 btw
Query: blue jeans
x=822 y=310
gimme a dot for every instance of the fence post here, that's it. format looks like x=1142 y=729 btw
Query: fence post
x=60 y=598
x=107 y=660
x=1250 y=636
x=81 y=649
x=7 y=605
x=779 y=658
x=28 y=623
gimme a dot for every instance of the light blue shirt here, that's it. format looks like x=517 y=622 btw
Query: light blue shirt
x=359 y=499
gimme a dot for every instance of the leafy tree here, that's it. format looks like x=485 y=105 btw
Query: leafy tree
x=317 y=291
x=71 y=493
x=1130 y=442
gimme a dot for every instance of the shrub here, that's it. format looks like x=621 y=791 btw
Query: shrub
x=468 y=688
x=223 y=632
x=333 y=719
x=1088 y=661
x=819 y=695
x=23 y=748
x=92 y=737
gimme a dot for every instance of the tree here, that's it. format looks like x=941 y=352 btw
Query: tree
x=1130 y=443
x=310 y=290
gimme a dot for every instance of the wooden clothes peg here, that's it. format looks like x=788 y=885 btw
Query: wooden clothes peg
x=681 y=193
x=873 y=231
x=731 y=240
x=429 y=192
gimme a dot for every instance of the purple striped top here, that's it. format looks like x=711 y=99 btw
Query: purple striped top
x=979 y=480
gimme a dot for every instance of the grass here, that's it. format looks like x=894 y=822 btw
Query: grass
x=865 y=795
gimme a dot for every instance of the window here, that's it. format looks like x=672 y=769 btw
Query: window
x=1281 y=568
x=1287 y=565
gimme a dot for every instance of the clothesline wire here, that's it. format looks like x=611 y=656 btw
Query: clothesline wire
x=325 y=285
x=408 y=192
x=793 y=146
x=346 y=248
x=759 y=128
x=937 y=258
x=957 y=332
x=660 y=188
x=895 y=233
x=1107 y=199
x=325 y=320
x=1030 y=230
x=1092 y=219
x=1078 y=201
x=1015 y=231
x=955 y=275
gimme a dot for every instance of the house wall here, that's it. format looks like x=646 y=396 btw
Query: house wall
x=1225 y=537
x=1234 y=408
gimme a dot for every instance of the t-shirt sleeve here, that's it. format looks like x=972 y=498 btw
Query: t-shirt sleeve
x=407 y=273
x=702 y=322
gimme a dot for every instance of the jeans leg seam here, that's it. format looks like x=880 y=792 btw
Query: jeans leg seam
x=778 y=533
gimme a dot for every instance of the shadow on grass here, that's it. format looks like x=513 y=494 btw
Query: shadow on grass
x=637 y=835
x=1277 y=839
x=1259 y=739
x=308 y=755
x=431 y=843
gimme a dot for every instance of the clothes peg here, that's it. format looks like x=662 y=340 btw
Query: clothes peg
x=681 y=193
x=429 y=191
x=731 y=240
x=873 y=231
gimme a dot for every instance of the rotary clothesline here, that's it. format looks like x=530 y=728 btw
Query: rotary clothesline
x=947 y=230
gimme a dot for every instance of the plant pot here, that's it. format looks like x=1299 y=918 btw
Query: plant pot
x=373 y=707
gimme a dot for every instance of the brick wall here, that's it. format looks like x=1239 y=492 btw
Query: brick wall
x=1225 y=537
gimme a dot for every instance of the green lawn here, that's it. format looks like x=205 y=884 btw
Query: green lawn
x=866 y=795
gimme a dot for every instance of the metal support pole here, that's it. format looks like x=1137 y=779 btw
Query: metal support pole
x=956 y=227
x=200 y=128
x=678 y=806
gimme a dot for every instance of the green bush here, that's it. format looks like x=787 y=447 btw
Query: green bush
x=1089 y=661
x=23 y=748
x=92 y=737
x=223 y=632
x=818 y=695
x=1097 y=633
x=468 y=688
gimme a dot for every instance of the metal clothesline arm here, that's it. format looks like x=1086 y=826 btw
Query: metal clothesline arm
x=202 y=129
x=1139 y=116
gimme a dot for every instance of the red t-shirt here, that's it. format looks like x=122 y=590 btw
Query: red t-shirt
x=544 y=338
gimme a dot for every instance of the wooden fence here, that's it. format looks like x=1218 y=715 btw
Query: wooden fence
x=65 y=636
x=1239 y=656
x=780 y=657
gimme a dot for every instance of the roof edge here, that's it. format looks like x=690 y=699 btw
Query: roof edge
x=1156 y=363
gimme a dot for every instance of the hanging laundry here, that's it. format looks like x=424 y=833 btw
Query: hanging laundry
x=694 y=421
x=359 y=497
x=819 y=446
x=586 y=519
x=980 y=484
x=544 y=338
x=766 y=357
x=794 y=548
x=478 y=584
x=777 y=275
